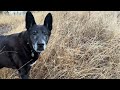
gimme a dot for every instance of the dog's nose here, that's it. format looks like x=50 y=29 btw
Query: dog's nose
x=40 y=45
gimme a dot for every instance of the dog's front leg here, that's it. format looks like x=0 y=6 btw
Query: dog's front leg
x=24 y=72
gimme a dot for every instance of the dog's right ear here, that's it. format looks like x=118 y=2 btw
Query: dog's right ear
x=30 y=21
x=48 y=21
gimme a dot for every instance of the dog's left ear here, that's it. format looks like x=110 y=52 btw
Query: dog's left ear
x=48 y=21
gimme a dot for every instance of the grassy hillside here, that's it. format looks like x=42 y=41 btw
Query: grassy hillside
x=83 y=44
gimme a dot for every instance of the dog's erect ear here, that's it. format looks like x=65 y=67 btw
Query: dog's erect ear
x=48 y=21
x=30 y=21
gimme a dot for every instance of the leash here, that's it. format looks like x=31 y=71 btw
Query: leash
x=20 y=67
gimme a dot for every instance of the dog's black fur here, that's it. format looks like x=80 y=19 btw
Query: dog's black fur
x=17 y=49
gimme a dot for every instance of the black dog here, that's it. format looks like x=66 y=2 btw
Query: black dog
x=18 y=49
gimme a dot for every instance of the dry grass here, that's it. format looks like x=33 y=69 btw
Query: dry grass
x=83 y=45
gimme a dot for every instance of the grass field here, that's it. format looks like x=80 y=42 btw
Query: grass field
x=83 y=45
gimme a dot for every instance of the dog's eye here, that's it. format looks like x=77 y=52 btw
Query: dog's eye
x=44 y=32
x=34 y=33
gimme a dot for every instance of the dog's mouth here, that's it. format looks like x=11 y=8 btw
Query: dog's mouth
x=39 y=51
x=39 y=48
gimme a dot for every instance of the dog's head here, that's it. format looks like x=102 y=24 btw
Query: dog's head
x=38 y=34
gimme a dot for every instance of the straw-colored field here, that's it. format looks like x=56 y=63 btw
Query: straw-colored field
x=83 y=45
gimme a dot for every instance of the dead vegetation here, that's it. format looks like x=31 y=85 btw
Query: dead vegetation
x=83 y=45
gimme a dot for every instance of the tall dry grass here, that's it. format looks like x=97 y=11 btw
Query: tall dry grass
x=83 y=45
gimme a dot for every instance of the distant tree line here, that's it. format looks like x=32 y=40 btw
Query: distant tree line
x=13 y=12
